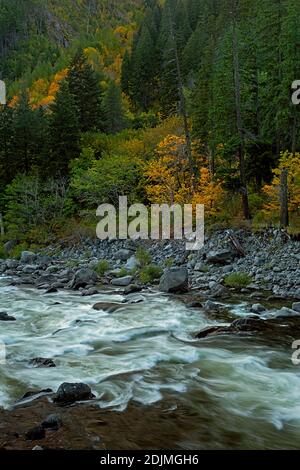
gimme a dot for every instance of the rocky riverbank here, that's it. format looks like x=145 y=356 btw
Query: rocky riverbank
x=270 y=259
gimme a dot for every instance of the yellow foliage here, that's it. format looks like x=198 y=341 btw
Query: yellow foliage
x=169 y=180
x=291 y=162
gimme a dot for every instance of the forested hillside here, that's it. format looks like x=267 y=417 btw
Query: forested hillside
x=163 y=101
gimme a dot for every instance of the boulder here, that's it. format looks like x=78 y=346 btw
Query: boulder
x=11 y=263
x=84 y=277
x=9 y=246
x=287 y=313
x=36 y=433
x=123 y=254
x=122 y=281
x=5 y=317
x=132 y=289
x=220 y=257
x=28 y=257
x=68 y=393
x=132 y=263
x=52 y=422
x=296 y=307
x=174 y=280
x=258 y=308
x=107 y=306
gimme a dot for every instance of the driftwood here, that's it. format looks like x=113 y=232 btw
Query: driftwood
x=236 y=244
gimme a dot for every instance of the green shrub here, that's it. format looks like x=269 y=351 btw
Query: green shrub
x=237 y=280
x=143 y=257
x=102 y=267
x=169 y=262
x=150 y=273
x=17 y=250
x=123 y=272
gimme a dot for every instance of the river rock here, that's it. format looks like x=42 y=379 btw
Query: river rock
x=9 y=246
x=109 y=307
x=68 y=393
x=42 y=362
x=11 y=263
x=28 y=257
x=132 y=289
x=36 y=433
x=220 y=257
x=84 y=277
x=123 y=254
x=296 y=307
x=287 y=312
x=258 y=308
x=5 y=317
x=174 y=280
x=53 y=422
x=122 y=281
x=132 y=263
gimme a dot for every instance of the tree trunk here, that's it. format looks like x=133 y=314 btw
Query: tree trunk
x=183 y=110
x=239 y=121
x=284 y=199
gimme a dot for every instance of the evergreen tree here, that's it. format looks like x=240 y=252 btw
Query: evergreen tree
x=64 y=132
x=84 y=86
x=113 y=113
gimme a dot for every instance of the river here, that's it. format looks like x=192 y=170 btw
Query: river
x=241 y=392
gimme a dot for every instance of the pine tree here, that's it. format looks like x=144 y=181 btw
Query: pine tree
x=113 y=113
x=63 y=132
x=84 y=86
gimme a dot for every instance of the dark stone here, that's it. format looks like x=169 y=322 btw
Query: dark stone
x=51 y=290
x=42 y=362
x=174 y=280
x=5 y=317
x=220 y=257
x=84 y=277
x=35 y=433
x=107 y=307
x=53 y=422
x=132 y=289
x=68 y=393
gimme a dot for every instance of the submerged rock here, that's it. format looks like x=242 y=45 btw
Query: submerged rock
x=109 y=307
x=68 y=393
x=42 y=362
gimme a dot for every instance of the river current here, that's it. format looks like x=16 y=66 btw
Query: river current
x=242 y=392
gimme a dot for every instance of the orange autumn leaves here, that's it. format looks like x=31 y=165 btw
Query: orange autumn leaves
x=169 y=181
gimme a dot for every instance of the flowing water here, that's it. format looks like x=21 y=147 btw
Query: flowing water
x=239 y=392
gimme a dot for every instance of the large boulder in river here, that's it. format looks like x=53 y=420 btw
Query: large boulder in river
x=109 y=307
x=68 y=393
x=174 y=280
x=84 y=277
x=220 y=257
